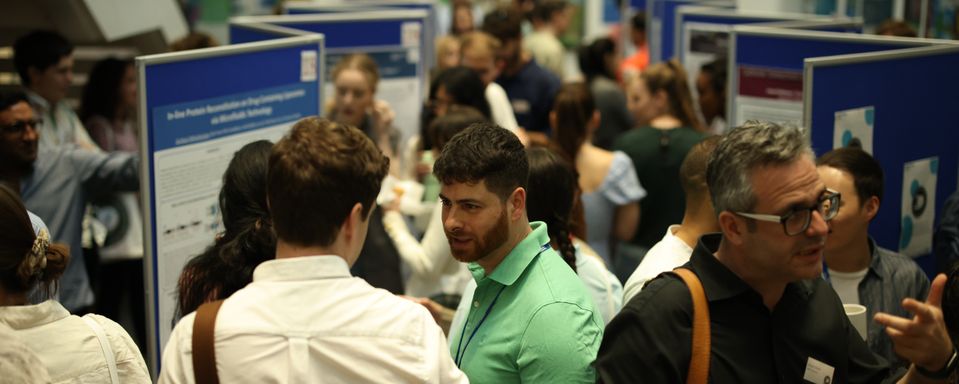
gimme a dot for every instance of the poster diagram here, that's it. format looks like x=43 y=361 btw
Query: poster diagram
x=854 y=128
x=918 y=206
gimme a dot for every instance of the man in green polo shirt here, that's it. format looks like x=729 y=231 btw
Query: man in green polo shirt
x=530 y=318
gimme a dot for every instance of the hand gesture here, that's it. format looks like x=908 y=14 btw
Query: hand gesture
x=923 y=340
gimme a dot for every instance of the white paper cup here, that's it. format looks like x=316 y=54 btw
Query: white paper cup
x=857 y=316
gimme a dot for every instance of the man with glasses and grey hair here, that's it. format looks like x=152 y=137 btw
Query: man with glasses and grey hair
x=771 y=316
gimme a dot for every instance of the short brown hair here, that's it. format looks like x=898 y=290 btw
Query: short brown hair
x=316 y=174
x=504 y=23
x=484 y=152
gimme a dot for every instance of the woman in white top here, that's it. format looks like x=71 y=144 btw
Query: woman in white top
x=88 y=349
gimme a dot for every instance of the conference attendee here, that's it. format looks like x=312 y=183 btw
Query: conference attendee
x=610 y=189
x=447 y=54
x=304 y=318
x=479 y=51
x=108 y=111
x=247 y=240
x=635 y=64
x=711 y=89
x=452 y=86
x=530 y=88
x=598 y=62
x=550 y=20
x=44 y=61
x=88 y=349
x=18 y=363
x=56 y=184
x=771 y=317
x=355 y=78
x=531 y=319
x=856 y=267
x=462 y=17
x=433 y=270
x=667 y=127
x=680 y=239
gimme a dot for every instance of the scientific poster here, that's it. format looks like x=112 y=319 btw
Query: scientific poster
x=854 y=128
x=918 y=206
x=769 y=94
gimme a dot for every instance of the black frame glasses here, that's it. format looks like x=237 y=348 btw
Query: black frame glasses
x=828 y=208
x=19 y=127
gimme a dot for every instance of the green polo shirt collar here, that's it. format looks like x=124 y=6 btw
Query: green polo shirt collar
x=518 y=259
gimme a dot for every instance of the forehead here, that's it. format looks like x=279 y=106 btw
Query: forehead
x=351 y=77
x=779 y=187
x=467 y=191
x=19 y=111
x=838 y=180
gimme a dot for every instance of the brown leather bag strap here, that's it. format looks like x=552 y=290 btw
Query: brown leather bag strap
x=204 y=353
x=699 y=359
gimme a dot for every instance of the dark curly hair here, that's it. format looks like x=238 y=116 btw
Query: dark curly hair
x=484 y=152
x=248 y=240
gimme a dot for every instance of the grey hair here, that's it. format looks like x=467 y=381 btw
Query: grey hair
x=745 y=148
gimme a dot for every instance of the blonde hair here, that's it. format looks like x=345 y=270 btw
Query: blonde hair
x=670 y=77
x=485 y=43
x=361 y=62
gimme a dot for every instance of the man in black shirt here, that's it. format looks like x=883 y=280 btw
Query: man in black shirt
x=772 y=318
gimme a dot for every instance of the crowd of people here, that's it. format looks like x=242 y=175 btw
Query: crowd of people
x=605 y=229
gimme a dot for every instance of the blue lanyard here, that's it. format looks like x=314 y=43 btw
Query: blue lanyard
x=460 y=354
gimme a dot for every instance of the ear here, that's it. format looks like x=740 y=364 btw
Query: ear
x=871 y=208
x=517 y=204
x=552 y=119
x=733 y=227
x=352 y=222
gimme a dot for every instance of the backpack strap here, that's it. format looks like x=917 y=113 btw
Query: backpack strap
x=104 y=347
x=204 y=352
x=699 y=358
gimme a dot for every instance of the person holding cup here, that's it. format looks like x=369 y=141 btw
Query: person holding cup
x=862 y=272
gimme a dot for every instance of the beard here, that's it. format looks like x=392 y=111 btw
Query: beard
x=484 y=244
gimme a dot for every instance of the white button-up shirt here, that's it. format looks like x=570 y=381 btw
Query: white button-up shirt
x=306 y=320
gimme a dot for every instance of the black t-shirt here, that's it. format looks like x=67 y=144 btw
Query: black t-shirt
x=650 y=340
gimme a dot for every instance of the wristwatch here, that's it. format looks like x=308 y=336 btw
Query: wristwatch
x=945 y=371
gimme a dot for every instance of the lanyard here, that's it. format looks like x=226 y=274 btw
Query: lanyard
x=460 y=354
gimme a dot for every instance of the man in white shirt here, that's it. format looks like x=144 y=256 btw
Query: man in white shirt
x=304 y=319
x=699 y=218
x=550 y=19
x=44 y=60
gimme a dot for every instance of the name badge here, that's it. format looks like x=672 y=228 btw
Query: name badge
x=818 y=372
x=521 y=106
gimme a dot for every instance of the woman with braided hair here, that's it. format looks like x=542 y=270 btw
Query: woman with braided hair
x=91 y=348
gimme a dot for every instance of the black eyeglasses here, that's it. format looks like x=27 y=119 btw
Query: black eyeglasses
x=797 y=221
x=19 y=127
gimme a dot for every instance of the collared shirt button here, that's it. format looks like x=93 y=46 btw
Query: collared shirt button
x=476 y=304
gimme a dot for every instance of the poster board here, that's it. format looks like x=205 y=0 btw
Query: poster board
x=911 y=121
x=766 y=64
x=393 y=38
x=196 y=108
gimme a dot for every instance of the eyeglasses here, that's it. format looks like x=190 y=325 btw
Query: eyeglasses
x=20 y=126
x=797 y=221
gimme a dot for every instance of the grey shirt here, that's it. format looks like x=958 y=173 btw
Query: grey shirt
x=62 y=181
x=891 y=277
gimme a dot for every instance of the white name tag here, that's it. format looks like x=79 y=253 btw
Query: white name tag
x=818 y=372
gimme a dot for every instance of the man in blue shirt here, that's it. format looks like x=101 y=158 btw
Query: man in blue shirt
x=55 y=183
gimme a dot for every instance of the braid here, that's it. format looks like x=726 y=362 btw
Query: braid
x=566 y=249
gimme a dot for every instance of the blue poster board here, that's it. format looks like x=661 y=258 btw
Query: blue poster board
x=196 y=109
x=773 y=60
x=393 y=38
x=251 y=32
x=661 y=24
x=911 y=120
